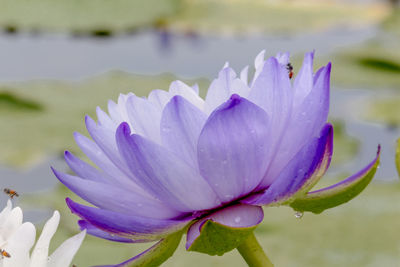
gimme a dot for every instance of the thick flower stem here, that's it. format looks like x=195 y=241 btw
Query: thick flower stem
x=253 y=253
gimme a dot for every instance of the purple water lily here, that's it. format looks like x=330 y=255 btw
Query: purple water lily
x=173 y=160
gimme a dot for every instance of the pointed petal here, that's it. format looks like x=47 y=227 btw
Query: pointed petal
x=337 y=194
x=127 y=226
x=236 y=221
x=105 y=120
x=181 y=124
x=155 y=255
x=180 y=88
x=19 y=244
x=159 y=98
x=223 y=87
x=40 y=252
x=144 y=117
x=5 y=212
x=305 y=123
x=107 y=196
x=85 y=170
x=164 y=174
x=244 y=74
x=231 y=148
x=11 y=223
x=302 y=172
x=303 y=83
x=64 y=254
x=94 y=231
x=98 y=157
x=283 y=58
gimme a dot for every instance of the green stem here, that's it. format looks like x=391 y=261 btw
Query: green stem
x=253 y=253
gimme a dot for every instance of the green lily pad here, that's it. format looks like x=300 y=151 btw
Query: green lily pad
x=217 y=239
x=42 y=116
x=345 y=147
x=397 y=159
x=100 y=17
x=383 y=110
x=371 y=65
x=335 y=195
x=243 y=17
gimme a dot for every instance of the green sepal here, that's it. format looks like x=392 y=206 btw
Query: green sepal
x=158 y=253
x=398 y=156
x=217 y=239
x=335 y=195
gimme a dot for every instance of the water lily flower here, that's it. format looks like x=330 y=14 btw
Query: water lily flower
x=174 y=162
x=17 y=239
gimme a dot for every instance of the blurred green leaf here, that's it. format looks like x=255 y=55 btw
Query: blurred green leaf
x=217 y=239
x=398 y=156
x=99 y=17
x=244 y=17
x=335 y=195
x=53 y=110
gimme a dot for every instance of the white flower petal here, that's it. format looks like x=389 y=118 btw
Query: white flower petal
x=11 y=224
x=19 y=244
x=64 y=254
x=41 y=250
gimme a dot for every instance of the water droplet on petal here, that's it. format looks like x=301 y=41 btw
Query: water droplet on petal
x=238 y=219
x=298 y=214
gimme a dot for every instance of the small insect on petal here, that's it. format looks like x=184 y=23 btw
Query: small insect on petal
x=4 y=254
x=289 y=67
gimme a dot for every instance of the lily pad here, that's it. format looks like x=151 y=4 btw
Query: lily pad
x=50 y=111
x=244 y=17
x=97 y=17
x=384 y=110
x=374 y=65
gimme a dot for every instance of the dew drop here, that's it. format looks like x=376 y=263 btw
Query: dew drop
x=238 y=219
x=298 y=214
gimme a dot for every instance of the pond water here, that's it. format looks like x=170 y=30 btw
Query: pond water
x=25 y=57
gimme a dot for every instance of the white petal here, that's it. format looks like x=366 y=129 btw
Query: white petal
x=12 y=223
x=182 y=89
x=64 y=254
x=18 y=246
x=41 y=250
x=5 y=212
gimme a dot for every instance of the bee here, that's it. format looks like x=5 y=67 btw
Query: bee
x=289 y=67
x=11 y=192
x=4 y=254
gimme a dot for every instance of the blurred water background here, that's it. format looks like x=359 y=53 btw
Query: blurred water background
x=61 y=59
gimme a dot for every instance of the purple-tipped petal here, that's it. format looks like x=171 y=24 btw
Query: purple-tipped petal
x=105 y=140
x=337 y=194
x=95 y=154
x=111 y=197
x=94 y=231
x=163 y=173
x=155 y=255
x=127 y=226
x=272 y=91
x=350 y=180
x=237 y=216
x=305 y=123
x=232 y=148
x=85 y=170
x=181 y=124
x=303 y=83
x=302 y=172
